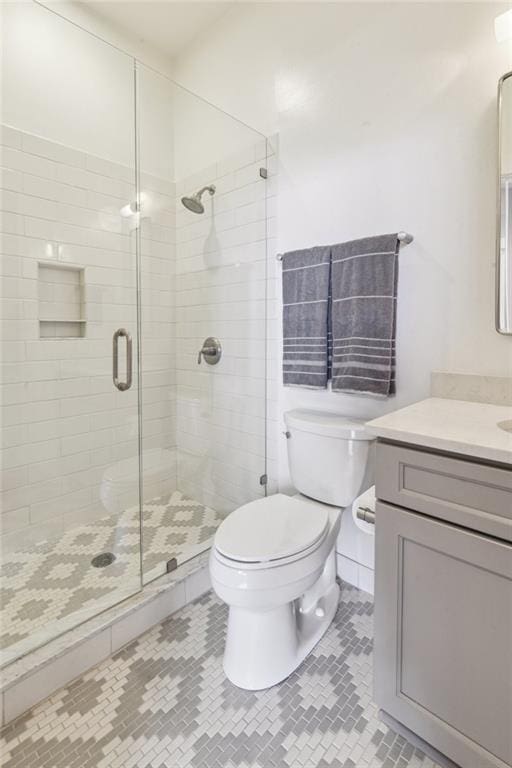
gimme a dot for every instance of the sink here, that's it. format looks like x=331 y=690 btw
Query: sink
x=506 y=425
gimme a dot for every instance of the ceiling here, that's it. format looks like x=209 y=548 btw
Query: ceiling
x=167 y=26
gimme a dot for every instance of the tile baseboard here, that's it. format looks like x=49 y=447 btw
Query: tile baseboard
x=355 y=574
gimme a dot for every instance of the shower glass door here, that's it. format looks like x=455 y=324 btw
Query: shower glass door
x=70 y=534
x=204 y=223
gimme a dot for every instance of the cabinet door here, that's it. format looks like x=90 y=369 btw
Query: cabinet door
x=443 y=635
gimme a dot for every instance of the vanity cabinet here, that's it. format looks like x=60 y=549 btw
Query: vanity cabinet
x=443 y=602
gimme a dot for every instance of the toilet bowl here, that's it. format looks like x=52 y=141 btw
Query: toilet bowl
x=273 y=561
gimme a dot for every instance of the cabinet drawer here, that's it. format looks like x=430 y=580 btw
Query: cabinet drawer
x=476 y=496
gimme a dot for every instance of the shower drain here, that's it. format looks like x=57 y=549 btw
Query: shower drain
x=102 y=560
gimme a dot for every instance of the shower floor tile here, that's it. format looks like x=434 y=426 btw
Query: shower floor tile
x=49 y=587
x=164 y=701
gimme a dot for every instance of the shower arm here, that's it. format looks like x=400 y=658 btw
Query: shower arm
x=209 y=188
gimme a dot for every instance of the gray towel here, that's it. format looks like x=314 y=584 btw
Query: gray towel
x=305 y=317
x=364 y=290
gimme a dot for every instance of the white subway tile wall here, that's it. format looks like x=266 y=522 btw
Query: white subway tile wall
x=64 y=424
x=69 y=438
x=158 y=336
x=226 y=282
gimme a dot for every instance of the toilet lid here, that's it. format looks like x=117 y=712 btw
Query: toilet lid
x=271 y=529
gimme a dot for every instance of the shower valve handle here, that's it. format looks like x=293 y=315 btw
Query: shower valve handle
x=207 y=352
x=211 y=351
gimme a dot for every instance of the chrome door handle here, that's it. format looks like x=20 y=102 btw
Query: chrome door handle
x=121 y=385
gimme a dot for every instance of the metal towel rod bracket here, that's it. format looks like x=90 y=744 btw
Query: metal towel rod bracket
x=404 y=237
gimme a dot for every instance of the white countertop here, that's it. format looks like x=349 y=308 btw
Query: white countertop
x=456 y=426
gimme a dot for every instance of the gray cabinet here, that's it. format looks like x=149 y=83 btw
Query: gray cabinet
x=443 y=608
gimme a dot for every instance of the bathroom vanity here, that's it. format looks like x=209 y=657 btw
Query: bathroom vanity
x=443 y=577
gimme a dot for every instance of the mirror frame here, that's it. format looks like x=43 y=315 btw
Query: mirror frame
x=498 y=291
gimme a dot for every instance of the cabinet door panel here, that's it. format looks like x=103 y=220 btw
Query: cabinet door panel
x=443 y=635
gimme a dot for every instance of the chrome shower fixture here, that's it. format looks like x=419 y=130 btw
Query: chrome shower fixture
x=193 y=203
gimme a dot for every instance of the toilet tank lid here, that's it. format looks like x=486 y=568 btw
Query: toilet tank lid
x=327 y=423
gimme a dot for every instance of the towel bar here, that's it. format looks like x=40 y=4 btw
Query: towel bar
x=404 y=237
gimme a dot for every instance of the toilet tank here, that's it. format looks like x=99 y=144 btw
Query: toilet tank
x=331 y=457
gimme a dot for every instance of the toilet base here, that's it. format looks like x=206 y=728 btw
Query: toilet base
x=264 y=647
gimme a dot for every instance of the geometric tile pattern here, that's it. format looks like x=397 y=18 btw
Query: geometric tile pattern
x=175 y=526
x=45 y=585
x=164 y=700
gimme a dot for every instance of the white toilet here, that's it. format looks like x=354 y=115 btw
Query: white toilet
x=273 y=561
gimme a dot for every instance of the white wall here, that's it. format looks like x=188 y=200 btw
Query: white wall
x=204 y=134
x=386 y=119
x=67 y=86
x=87 y=17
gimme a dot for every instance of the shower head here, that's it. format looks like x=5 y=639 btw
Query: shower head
x=193 y=203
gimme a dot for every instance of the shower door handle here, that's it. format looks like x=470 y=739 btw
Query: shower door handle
x=122 y=385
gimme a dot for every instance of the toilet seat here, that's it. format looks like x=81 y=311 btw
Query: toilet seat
x=271 y=531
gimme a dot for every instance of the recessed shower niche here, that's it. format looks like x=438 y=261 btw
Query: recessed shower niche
x=61 y=301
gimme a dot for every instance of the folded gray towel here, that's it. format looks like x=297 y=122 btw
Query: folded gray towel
x=305 y=317
x=364 y=291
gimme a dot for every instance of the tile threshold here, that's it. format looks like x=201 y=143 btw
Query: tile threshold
x=98 y=637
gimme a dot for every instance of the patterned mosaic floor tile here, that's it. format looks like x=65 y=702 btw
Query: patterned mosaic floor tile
x=51 y=586
x=164 y=701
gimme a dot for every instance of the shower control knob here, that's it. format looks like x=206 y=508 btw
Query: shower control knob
x=211 y=351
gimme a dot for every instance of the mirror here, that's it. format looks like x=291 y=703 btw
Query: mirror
x=504 y=228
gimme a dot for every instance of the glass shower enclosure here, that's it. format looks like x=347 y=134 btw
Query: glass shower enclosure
x=124 y=443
